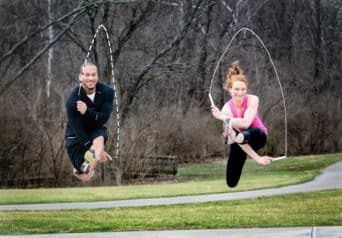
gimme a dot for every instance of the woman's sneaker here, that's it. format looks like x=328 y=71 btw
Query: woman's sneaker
x=229 y=137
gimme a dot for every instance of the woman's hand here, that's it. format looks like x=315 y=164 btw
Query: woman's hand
x=217 y=113
x=264 y=160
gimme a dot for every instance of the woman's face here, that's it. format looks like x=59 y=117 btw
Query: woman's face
x=238 y=90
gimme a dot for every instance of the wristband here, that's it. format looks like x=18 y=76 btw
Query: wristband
x=227 y=121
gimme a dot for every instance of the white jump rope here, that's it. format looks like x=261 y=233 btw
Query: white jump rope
x=116 y=101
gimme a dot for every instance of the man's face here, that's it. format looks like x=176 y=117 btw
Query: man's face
x=88 y=77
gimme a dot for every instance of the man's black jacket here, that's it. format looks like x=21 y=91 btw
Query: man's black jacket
x=96 y=116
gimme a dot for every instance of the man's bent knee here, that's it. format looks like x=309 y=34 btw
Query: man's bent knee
x=99 y=140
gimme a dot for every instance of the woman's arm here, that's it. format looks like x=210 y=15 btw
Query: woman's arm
x=223 y=114
x=250 y=113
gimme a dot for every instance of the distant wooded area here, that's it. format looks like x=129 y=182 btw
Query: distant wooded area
x=164 y=56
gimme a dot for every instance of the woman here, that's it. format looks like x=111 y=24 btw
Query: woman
x=243 y=127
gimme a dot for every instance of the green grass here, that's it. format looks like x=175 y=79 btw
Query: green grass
x=205 y=179
x=306 y=209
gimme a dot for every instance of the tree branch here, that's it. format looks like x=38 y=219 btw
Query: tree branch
x=139 y=83
x=173 y=43
x=40 y=29
x=83 y=6
x=41 y=52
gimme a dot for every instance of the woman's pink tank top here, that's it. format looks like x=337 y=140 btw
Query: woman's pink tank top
x=256 y=123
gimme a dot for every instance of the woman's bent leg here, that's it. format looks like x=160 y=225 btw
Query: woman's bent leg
x=236 y=160
x=256 y=138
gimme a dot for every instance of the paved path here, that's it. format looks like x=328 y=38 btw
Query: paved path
x=331 y=178
x=295 y=232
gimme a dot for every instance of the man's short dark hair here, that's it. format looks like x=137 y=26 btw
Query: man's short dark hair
x=86 y=63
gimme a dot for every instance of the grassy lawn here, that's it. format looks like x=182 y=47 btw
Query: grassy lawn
x=306 y=209
x=205 y=179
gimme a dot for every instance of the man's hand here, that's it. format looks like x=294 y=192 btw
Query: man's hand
x=81 y=107
x=85 y=177
x=88 y=176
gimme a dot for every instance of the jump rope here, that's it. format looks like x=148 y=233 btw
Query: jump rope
x=116 y=100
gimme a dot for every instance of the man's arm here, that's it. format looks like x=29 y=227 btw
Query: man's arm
x=101 y=117
x=76 y=122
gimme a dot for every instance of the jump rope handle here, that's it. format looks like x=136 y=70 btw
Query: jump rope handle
x=79 y=92
x=279 y=158
x=211 y=100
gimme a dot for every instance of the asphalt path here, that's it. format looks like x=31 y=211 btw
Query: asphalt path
x=330 y=178
x=293 y=232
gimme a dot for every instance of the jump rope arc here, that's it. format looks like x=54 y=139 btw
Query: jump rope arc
x=116 y=100
x=274 y=69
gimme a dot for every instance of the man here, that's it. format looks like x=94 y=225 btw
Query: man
x=88 y=108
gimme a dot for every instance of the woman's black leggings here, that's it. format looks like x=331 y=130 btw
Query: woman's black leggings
x=256 y=138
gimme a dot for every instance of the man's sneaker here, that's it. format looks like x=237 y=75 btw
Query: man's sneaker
x=85 y=167
x=90 y=157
